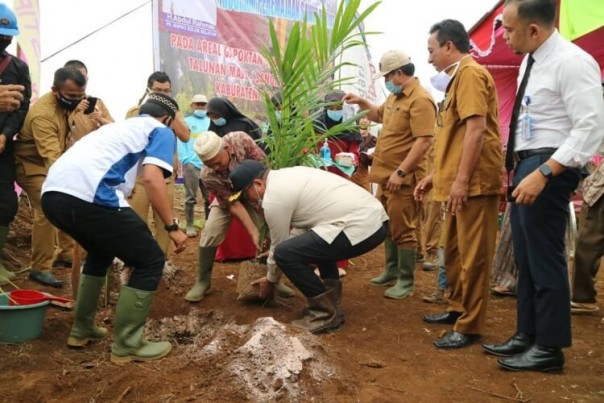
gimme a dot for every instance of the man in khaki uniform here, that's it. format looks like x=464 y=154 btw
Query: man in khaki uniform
x=139 y=200
x=40 y=143
x=80 y=124
x=467 y=176
x=408 y=118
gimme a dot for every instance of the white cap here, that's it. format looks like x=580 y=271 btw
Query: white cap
x=208 y=145
x=392 y=60
x=199 y=98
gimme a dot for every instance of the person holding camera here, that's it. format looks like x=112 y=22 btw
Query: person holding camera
x=90 y=114
x=41 y=141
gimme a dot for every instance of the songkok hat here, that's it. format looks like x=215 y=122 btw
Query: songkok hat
x=392 y=60
x=208 y=145
x=245 y=173
x=164 y=101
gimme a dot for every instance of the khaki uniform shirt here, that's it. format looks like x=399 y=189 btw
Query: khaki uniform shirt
x=405 y=117
x=82 y=124
x=471 y=93
x=43 y=136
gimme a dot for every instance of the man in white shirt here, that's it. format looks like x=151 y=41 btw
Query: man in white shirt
x=558 y=129
x=339 y=220
x=85 y=193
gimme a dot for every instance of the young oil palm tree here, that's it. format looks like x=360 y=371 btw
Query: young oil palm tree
x=306 y=66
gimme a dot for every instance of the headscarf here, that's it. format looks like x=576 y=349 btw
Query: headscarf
x=235 y=120
x=324 y=123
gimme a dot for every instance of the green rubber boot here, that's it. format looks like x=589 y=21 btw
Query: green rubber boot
x=190 y=219
x=204 y=275
x=391 y=271
x=406 y=269
x=84 y=329
x=131 y=314
x=4 y=273
x=321 y=315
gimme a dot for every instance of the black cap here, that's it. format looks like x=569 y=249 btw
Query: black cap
x=245 y=173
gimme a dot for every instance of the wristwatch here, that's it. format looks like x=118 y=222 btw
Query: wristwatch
x=400 y=172
x=172 y=227
x=546 y=171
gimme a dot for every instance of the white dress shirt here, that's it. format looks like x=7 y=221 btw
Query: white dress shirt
x=315 y=200
x=566 y=105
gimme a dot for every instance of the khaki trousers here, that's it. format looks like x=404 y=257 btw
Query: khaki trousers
x=139 y=201
x=43 y=234
x=430 y=225
x=65 y=246
x=470 y=237
x=403 y=211
x=218 y=223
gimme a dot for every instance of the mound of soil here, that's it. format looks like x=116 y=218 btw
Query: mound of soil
x=227 y=351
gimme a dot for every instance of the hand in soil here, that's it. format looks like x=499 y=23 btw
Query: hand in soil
x=266 y=289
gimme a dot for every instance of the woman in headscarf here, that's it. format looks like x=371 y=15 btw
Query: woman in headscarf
x=347 y=141
x=227 y=118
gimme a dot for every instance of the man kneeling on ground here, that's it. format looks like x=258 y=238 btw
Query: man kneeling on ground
x=342 y=219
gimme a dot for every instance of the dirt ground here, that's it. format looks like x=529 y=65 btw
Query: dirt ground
x=226 y=351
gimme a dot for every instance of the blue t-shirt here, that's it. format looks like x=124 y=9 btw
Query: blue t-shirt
x=186 y=152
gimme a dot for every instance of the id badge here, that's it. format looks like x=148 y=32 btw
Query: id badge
x=525 y=121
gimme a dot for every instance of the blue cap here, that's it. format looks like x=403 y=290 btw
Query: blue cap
x=8 y=21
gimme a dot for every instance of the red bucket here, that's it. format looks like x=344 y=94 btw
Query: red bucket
x=26 y=297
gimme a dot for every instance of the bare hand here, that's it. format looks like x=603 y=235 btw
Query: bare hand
x=179 y=239
x=97 y=116
x=458 y=197
x=2 y=142
x=394 y=182
x=352 y=99
x=423 y=187
x=82 y=105
x=10 y=97
x=266 y=289
x=529 y=188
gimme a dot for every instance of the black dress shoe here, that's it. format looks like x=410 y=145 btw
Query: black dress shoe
x=456 y=340
x=45 y=278
x=541 y=359
x=447 y=318
x=516 y=344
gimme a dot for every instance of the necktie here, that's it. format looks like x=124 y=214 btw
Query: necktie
x=509 y=157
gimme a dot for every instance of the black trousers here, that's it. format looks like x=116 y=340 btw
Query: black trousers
x=107 y=233
x=296 y=254
x=8 y=197
x=538 y=232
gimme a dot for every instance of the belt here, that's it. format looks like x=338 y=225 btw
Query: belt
x=521 y=155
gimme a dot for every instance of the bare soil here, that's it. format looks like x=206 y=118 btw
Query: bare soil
x=227 y=351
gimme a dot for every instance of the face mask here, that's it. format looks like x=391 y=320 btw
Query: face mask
x=219 y=122
x=4 y=42
x=200 y=113
x=396 y=90
x=441 y=80
x=364 y=126
x=278 y=115
x=336 y=116
x=67 y=103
